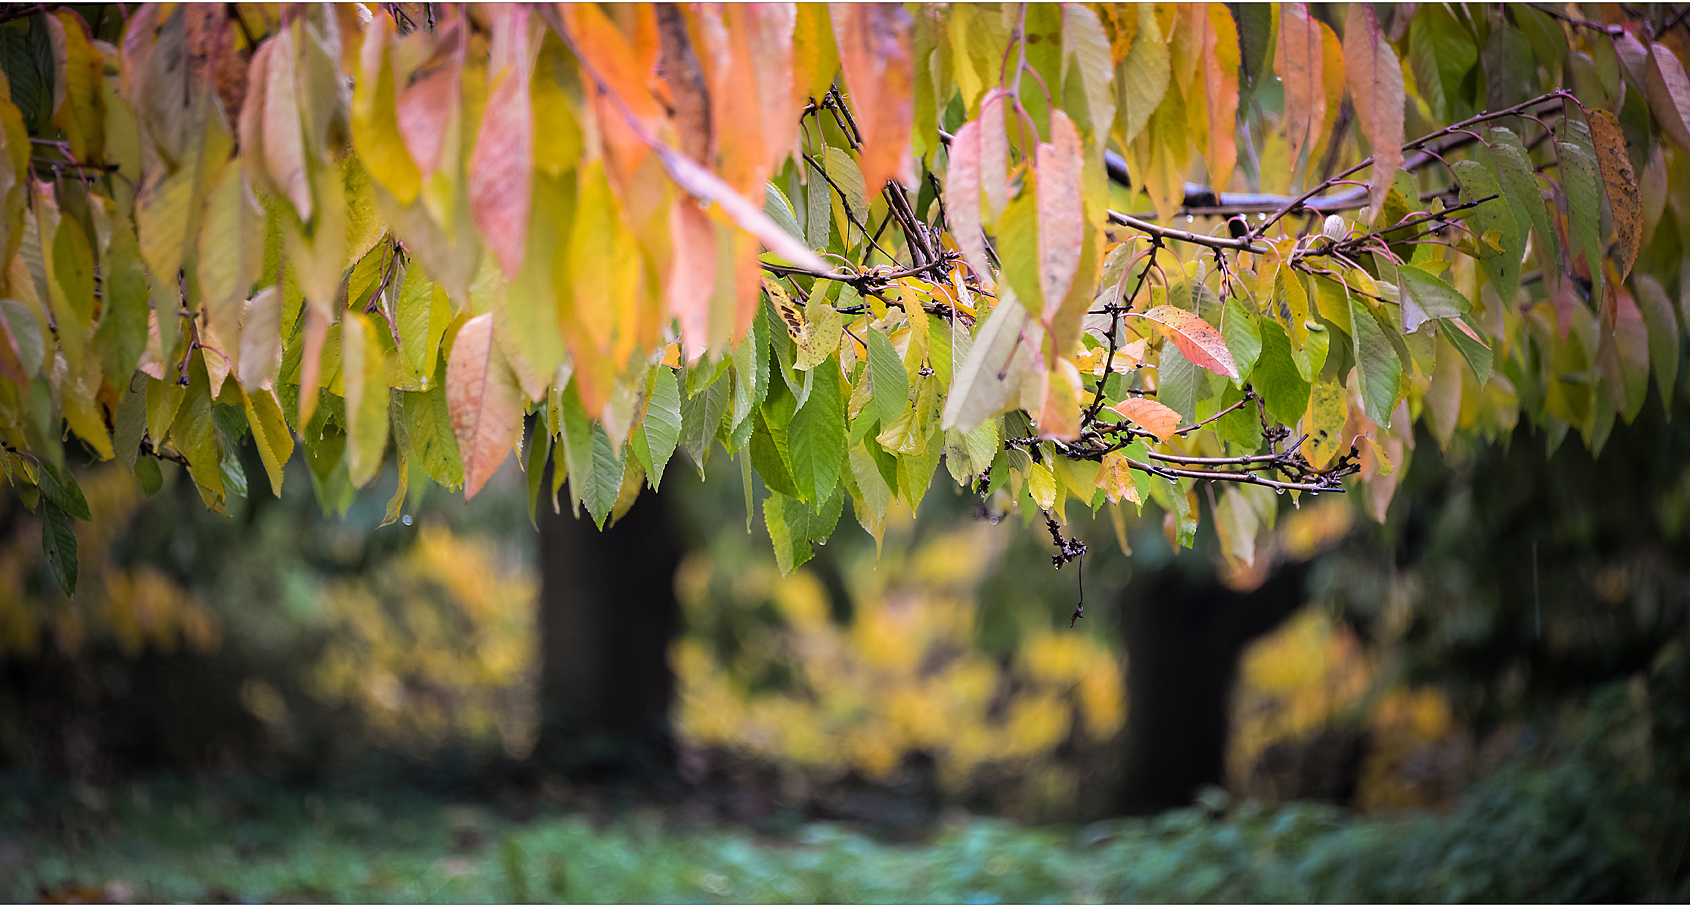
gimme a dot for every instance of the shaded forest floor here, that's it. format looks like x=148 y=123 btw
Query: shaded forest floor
x=1567 y=832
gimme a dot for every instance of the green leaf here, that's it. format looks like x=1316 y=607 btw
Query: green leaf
x=843 y=171
x=149 y=475
x=539 y=450
x=1377 y=363
x=701 y=413
x=1478 y=180
x=770 y=457
x=662 y=426
x=1243 y=337
x=428 y=425
x=1584 y=201
x=795 y=526
x=1284 y=392
x=1467 y=339
x=779 y=209
x=891 y=385
x=1441 y=52
x=600 y=491
x=1662 y=323
x=816 y=437
x=122 y=332
x=1519 y=180
x=60 y=487
x=1176 y=383
x=1425 y=296
x=58 y=542
x=129 y=423
x=191 y=433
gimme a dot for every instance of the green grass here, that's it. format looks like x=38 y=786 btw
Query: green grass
x=1558 y=835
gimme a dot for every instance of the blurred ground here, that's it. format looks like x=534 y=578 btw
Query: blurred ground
x=1566 y=833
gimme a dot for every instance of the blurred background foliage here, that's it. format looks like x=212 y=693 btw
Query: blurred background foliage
x=1489 y=693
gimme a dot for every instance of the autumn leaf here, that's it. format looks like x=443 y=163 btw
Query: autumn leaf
x=501 y=169
x=484 y=400
x=1621 y=183
x=1196 y=338
x=1376 y=89
x=1061 y=212
x=1300 y=55
x=1153 y=417
x=874 y=53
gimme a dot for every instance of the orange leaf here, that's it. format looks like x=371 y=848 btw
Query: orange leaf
x=1196 y=338
x=501 y=170
x=874 y=52
x=1376 y=89
x=1061 y=211
x=484 y=401
x=1220 y=84
x=624 y=61
x=1153 y=417
x=1621 y=183
x=1300 y=55
x=688 y=91
x=768 y=29
x=1059 y=414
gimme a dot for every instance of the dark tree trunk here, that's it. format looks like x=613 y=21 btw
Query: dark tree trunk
x=1183 y=639
x=607 y=614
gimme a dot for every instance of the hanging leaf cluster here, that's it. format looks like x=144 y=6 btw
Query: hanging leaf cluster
x=1091 y=253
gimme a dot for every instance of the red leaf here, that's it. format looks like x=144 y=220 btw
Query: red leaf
x=1196 y=338
x=1376 y=89
x=501 y=170
x=1153 y=417
x=1061 y=211
x=484 y=401
x=874 y=52
x=1220 y=85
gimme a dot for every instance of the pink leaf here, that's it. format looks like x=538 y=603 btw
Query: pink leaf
x=1061 y=211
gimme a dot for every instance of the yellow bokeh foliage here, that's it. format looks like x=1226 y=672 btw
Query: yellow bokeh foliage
x=134 y=607
x=436 y=645
x=904 y=676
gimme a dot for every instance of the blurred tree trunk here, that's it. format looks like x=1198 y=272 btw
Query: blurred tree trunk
x=607 y=614
x=1184 y=637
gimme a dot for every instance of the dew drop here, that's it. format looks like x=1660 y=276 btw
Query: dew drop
x=1189 y=219
x=406 y=519
x=1279 y=491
